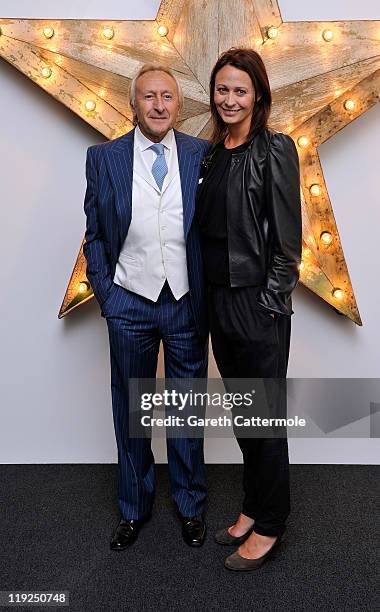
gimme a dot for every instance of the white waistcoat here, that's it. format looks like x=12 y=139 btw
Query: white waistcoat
x=154 y=249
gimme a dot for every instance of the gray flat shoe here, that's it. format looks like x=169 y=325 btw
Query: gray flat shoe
x=237 y=563
x=226 y=539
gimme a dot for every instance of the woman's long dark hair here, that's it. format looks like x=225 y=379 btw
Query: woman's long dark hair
x=251 y=62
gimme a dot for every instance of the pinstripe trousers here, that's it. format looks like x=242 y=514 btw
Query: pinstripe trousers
x=136 y=326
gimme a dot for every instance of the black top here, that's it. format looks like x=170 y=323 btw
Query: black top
x=211 y=215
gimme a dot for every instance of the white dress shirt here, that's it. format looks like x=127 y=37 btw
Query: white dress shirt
x=154 y=249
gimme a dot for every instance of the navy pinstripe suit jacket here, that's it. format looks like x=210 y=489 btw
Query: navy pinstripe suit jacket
x=108 y=208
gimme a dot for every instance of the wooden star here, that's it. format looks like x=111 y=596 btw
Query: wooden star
x=323 y=75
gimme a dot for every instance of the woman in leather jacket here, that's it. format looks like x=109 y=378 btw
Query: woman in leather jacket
x=249 y=214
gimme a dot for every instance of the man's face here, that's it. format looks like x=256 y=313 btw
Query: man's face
x=156 y=104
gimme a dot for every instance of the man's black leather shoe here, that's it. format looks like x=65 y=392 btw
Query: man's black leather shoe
x=125 y=534
x=193 y=530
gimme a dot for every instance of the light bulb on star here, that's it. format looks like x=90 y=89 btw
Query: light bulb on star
x=315 y=189
x=326 y=237
x=48 y=32
x=108 y=33
x=90 y=105
x=337 y=293
x=83 y=287
x=327 y=35
x=46 y=72
x=162 y=30
x=272 y=32
x=302 y=141
x=349 y=105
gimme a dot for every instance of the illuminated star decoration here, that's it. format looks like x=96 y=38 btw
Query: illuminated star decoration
x=323 y=75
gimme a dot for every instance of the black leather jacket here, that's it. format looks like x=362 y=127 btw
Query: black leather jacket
x=264 y=223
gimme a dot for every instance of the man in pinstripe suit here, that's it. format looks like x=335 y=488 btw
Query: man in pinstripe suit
x=144 y=265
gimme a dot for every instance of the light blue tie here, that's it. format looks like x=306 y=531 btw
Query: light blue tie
x=159 y=168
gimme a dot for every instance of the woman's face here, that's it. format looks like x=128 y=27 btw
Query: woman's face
x=234 y=96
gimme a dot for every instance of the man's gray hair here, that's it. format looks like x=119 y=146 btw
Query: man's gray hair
x=152 y=68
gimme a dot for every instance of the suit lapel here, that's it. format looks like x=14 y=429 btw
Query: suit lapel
x=188 y=162
x=119 y=159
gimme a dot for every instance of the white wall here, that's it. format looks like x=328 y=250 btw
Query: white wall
x=72 y=9
x=55 y=395
x=291 y=10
